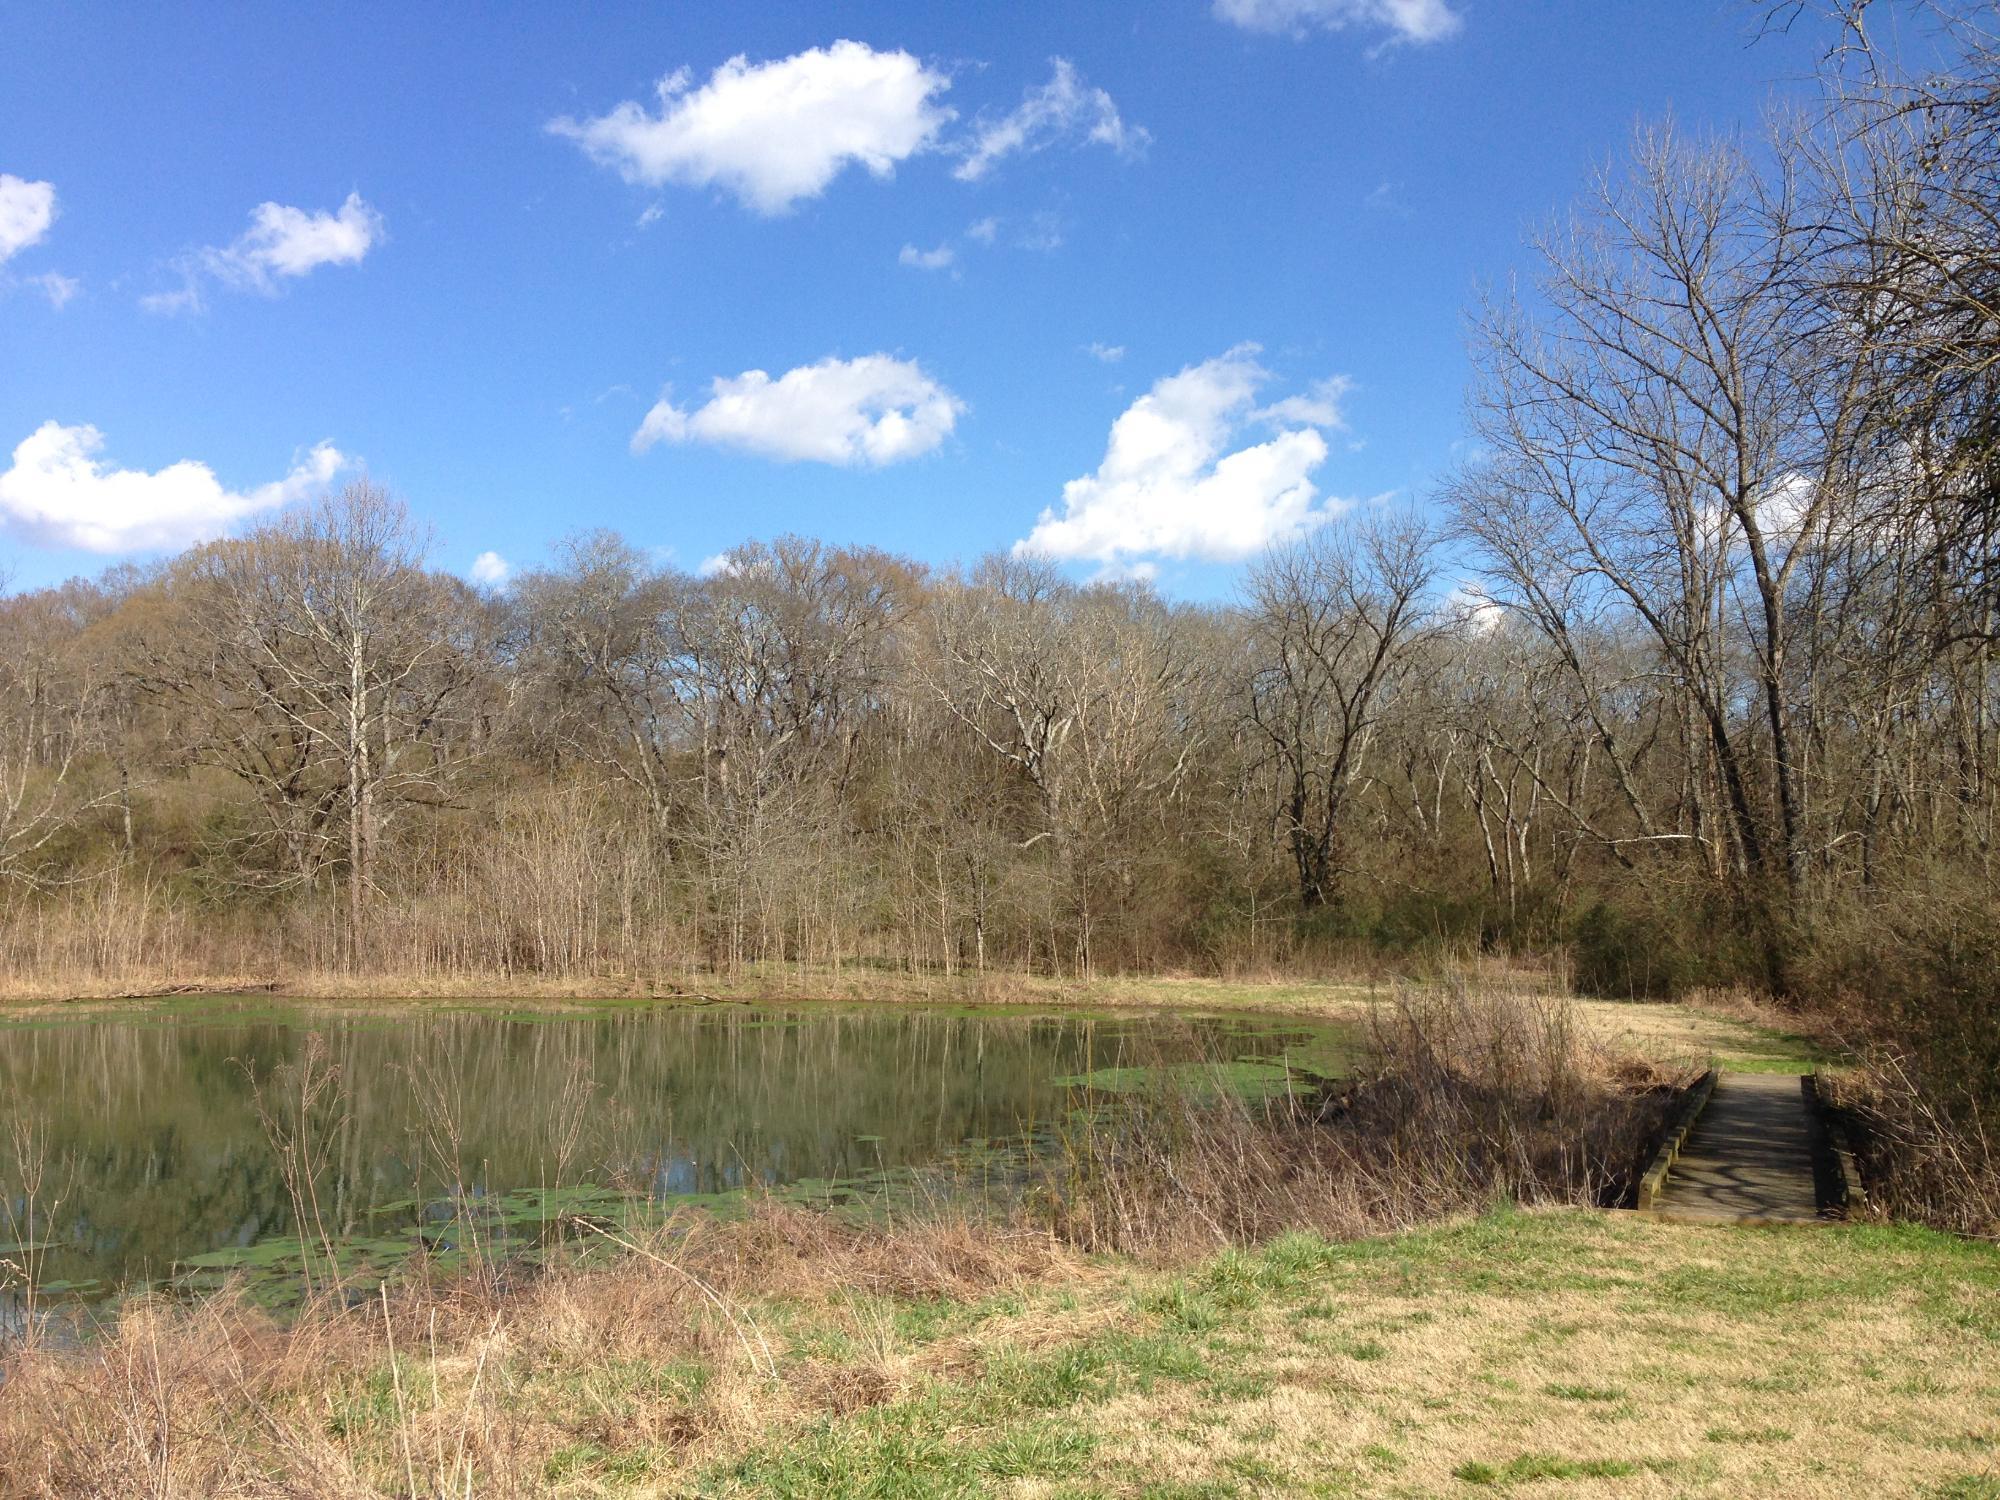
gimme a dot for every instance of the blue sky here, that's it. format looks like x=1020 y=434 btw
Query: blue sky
x=245 y=250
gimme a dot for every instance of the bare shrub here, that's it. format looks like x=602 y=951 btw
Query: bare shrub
x=1914 y=986
x=1461 y=1097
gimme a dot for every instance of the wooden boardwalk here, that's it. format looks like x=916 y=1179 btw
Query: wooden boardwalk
x=1750 y=1156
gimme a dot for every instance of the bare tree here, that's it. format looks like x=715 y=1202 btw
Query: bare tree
x=333 y=674
x=52 y=699
x=1082 y=694
x=1330 y=619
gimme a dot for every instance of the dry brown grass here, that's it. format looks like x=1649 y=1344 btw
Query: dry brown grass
x=1616 y=1355
x=483 y=1383
x=1919 y=1160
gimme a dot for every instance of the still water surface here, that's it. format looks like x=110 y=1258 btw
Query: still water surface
x=154 y=1161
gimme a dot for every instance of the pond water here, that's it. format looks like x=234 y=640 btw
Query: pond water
x=174 y=1144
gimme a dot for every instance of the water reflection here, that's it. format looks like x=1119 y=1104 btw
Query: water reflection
x=151 y=1149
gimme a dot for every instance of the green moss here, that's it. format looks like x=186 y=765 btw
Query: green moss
x=1246 y=1078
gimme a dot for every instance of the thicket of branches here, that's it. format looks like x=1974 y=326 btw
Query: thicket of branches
x=1718 y=706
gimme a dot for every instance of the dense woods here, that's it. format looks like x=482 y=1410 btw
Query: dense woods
x=1690 y=671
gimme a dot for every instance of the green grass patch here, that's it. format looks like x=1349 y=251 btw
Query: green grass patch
x=1593 y=1393
x=1753 y=1435
x=1526 y=1468
x=1252 y=1078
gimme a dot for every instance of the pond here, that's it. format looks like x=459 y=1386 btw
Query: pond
x=179 y=1144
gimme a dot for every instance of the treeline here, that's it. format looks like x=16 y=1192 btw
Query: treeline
x=1691 y=671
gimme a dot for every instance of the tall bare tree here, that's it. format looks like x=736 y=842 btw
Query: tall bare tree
x=332 y=673
x=1330 y=621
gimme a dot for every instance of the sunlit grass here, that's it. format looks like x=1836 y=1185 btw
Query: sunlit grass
x=1564 y=1351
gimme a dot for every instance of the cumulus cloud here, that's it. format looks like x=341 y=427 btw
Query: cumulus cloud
x=983 y=230
x=927 y=260
x=1473 y=608
x=870 y=411
x=1063 y=108
x=1404 y=20
x=27 y=209
x=1105 y=354
x=1173 y=483
x=285 y=241
x=772 y=133
x=491 y=569
x=61 y=492
x=282 y=244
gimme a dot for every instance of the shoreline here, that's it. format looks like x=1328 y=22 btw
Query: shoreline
x=1732 y=1032
x=1343 y=997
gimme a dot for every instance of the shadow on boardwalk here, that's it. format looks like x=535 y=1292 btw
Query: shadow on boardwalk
x=1751 y=1155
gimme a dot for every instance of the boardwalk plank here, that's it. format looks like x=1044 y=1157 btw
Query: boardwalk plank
x=1749 y=1156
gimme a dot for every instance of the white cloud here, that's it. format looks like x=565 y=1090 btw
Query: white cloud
x=870 y=411
x=1170 y=485
x=1319 y=408
x=491 y=569
x=927 y=260
x=285 y=241
x=983 y=230
x=26 y=211
x=1044 y=233
x=776 y=132
x=184 y=299
x=1405 y=20
x=282 y=243
x=718 y=565
x=1386 y=198
x=60 y=492
x=1473 y=608
x=1108 y=354
x=1064 y=106
x=55 y=286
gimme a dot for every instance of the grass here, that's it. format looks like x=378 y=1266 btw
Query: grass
x=1210 y=1383
x=1554 y=1352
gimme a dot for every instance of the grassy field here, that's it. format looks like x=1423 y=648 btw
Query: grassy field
x=1563 y=1352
